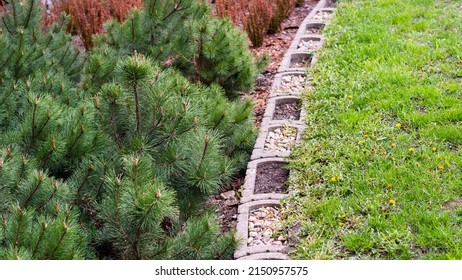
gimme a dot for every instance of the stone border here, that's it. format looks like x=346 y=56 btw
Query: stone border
x=294 y=46
x=266 y=256
x=271 y=109
x=259 y=148
x=250 y=201
x=286 y=64
x=243 y=228
x=278 y=80
x=248 y=194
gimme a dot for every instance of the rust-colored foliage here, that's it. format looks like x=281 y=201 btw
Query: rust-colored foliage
x=257 y=20
x=87 y=16
x=230 y=8
x=2 y=6
x=256 y=17
x=281 y=11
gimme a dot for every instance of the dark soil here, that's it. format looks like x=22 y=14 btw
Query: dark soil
x=226 y=212
x=453 y=204
x=314 y=30
x=271 y=178
x=331 y=3
x=287 y=111
x=300 y=62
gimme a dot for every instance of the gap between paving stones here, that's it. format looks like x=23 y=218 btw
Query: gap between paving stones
x=287 y=86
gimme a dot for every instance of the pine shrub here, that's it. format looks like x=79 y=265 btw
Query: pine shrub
x=183 y=34
x=110 y=159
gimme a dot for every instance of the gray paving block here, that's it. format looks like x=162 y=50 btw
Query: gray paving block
x=326 y=10
x=277 y=87
x=249 y=183
x=319 y=39
x=311 y=24
x=292 y=57
x=242 y=232
x=265 y=256
x=273 y=102
x=260 y=152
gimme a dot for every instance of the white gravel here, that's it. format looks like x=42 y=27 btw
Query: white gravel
x=292 y=83
x=281 y=139
x=263 y=223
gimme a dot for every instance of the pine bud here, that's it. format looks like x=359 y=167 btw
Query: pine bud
x=36 y=101
x=57 y=207
x=62 y=86
x=28 y=84
x=8 y=152
x=65 y=227
x=55 y=184
x=96 y=102
x=183 y=104
x=135 y=56
x=158 y=194
x=196 y=121
x=48 y=113
x=207 y=138
x=40 y=176
x=53 y=142
x=44 y=225
x=1 y=163
x=118 y=182
x=3 y=220
x=136 y=161
x=183 y=89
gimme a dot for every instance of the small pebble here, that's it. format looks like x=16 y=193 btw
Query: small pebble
x=292 y=83
x=323 y=16
x=280 y=139
x=261 y=229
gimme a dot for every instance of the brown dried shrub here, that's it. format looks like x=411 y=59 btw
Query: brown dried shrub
x=88 y=16
x=257 y=20
x=281 y=11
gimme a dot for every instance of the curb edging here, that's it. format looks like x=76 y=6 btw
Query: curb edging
x=249 y=200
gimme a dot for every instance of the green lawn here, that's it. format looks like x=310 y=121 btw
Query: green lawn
x=379 y=169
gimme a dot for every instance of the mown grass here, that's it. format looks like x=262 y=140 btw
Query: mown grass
x=379 y=169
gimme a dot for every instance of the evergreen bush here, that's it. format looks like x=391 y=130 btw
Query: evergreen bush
x=109 y=156
x=184 y=34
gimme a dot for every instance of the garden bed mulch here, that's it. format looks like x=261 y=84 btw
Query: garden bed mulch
x=275 y=46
